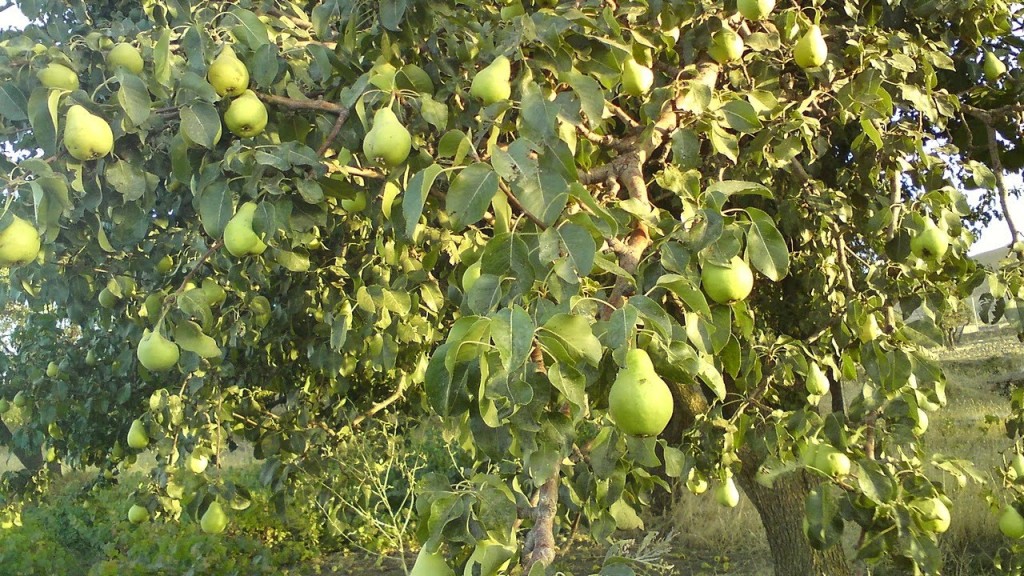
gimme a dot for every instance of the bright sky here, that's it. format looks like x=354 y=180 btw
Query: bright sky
x=995 y=236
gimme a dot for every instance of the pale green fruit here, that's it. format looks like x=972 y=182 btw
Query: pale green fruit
x=197 y=462
x=54 y=431
x=239 y=238
x=90 y=358
x=489 y=558
x=637 y=79
x=5 y=406
x=1017 y=465
x=246 y=116
x=126 y=56
x=137 y=437
x=493 y=83
x=726 y=46
x=165 y=264
x=19 y=243
x=932 y=242
x=726 y=494
x=52 y=370
x=58 y=77
x=869 y=330
x=932 y=515
x=725 y=284
x=817 y=382
x=755 y=9
x=357 y=204
x=107 y=299
x=227 y=74
x=388 y=141
x=157 y=353
x=20 y=400
x=922 y=423
x=811 y=50
x=831 y=461
x=470 y=276
x=639 y=401
x=696 y=483
x=1011 y=523
x=213 y=292
x=137 y=514
x=87 y=136
x=214 y=520
x=994 y=67
x=428 y=564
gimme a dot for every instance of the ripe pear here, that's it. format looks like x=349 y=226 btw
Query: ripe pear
x=726 y=46
x=388 y=140
x=831 y=461
x=932 y=242
x=137 y=437
x=246 y=116
x=20 y=399
x=126 y=56
x=5 y=406
x=993 y=67
x=726 y=494
x=637 y=79
x=239 y=238
x=869 y=330
x=755 y=9
x=639 y=401
x=52 y=370
x=227 y=74
x=197 y=462
x=811 y=50
x=214 y=520
x=725 y=284
x=932 y=515
x=493 y=83
x=87 y=136
x=58 y=77
x=1011 y=523
x=817 y=383
x=428 y=564
x=137 y=514
x=19 y=243
x=157 y=353
x=489 y=558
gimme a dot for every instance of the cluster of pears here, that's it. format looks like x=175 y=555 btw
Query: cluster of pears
x=727 y=283
x=640 y=402
x=246 y=116
x=19 y=242
x=239 y=237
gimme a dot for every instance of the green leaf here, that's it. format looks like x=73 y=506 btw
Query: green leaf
x=687 y=291
x=416 y=196
x=42 y=115
x=470 y=194
x=512 y=333
x=391 y=13
x=127 y=179
x=570 y=382
x=190 y=337
x=591 y=96
x=250 y=29
x=434 y=112
x=740 y=116
x=13 y=104
x=625 y=516
x=292 y=261
x=576 y=335
x=725 y=143
x=200 y=123
x=133 y=96
x=766 y=248
x=215 y=208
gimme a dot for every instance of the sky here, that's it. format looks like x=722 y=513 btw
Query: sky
x=996 y=235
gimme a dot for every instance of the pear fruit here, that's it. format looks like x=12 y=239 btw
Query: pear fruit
x=5 y=406
x=137 y=514
x=932 y=515
x=470 y=276
x=428 y=564
x=755 y=9
x=726 y=494
x=165 y=264
x=214 y=520
x=52 y=370
x=90 y=358
x=107 y=299
x=932 y=242
x=489 y=558
x=831 y=461
x=157 y=353
x=811 y=50
x=1011 y=523
x=388 y=141
x=726 y=46
x=213 y=292
x=1017 y=465
x=20 y=399
x=197 y=462
x=639 y=401
x=239 y=238
x=493 y=83
x=227 y=74
x=137 y=437
x=19 y=243
x=87 y=136
x=725 y=284
x=357 y=204
x=246 y=116
x=817 y=383
x=869 y=330
x=993 y=67
x=126 y=56
x=637 y=79
x=58 y=77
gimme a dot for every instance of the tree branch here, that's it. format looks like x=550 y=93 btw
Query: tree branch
x=293 y=104
x=997 y=169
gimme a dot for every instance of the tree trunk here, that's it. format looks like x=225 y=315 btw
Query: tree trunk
x=782 y=511
x=32 y=461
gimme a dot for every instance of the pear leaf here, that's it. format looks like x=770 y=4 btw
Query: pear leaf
x=470 y=195
x=189 y=336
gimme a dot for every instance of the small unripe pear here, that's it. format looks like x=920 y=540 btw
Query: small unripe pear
x=817 y=382
x=137 y=437
x=137 y=514
x=639 y=401
x=388 y=141
x=811 y=50
x=993 y=67
x=1011 y=523
x=637 y=79
x=58 y=77
x=19 y=243
x=493 y=83
x=755 y=9
x=726 y=46
x=87 y=136
x=246 y=116
x=227 y=74
x=239 y=237
x=726 y=494
x=869 y=330
x=428 y=564
x=932 y=242
x=197 y=462
x=214 y=520
x=52 y=370
x=126 y=56
x=725 y=284
x=157 y=353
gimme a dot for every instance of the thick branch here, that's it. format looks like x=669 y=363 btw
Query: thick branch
x=997 y=169
x=380 y=405
x=541 y=542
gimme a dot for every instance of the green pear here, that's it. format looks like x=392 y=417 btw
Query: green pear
x=1017 y=465
x=932 y=242
x=137 y=514
x=388 y=141
x=639 y=401
x=493 y=83
x=227 y=74
x=725 y=284
x=5 y=406
x=137 y=437
x=157 y=353
x=58 y=77
x=197 y=461
x=489 y=558
x=1011 y=523
x=126 y=56
x=90 y=358
x=470 y=276
x=869 y=330
x=726 y=494
x=246 y=116
x=811 y=50
x=19 y=243
x=239 y=238
x=214 y=520
x=428 y=564
x=696 y=483
x=213 y=292
x=993 y=66
x=932 y=515
x=20 y=399
x=52 y=370
x=637 y=79
x=755 y=9
x=107 y=299
x=726 y=46
x=817 y=383
x=54 y=431
x=831 y=461
x=165 y=264
x=87 y=136
x=357 y=204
